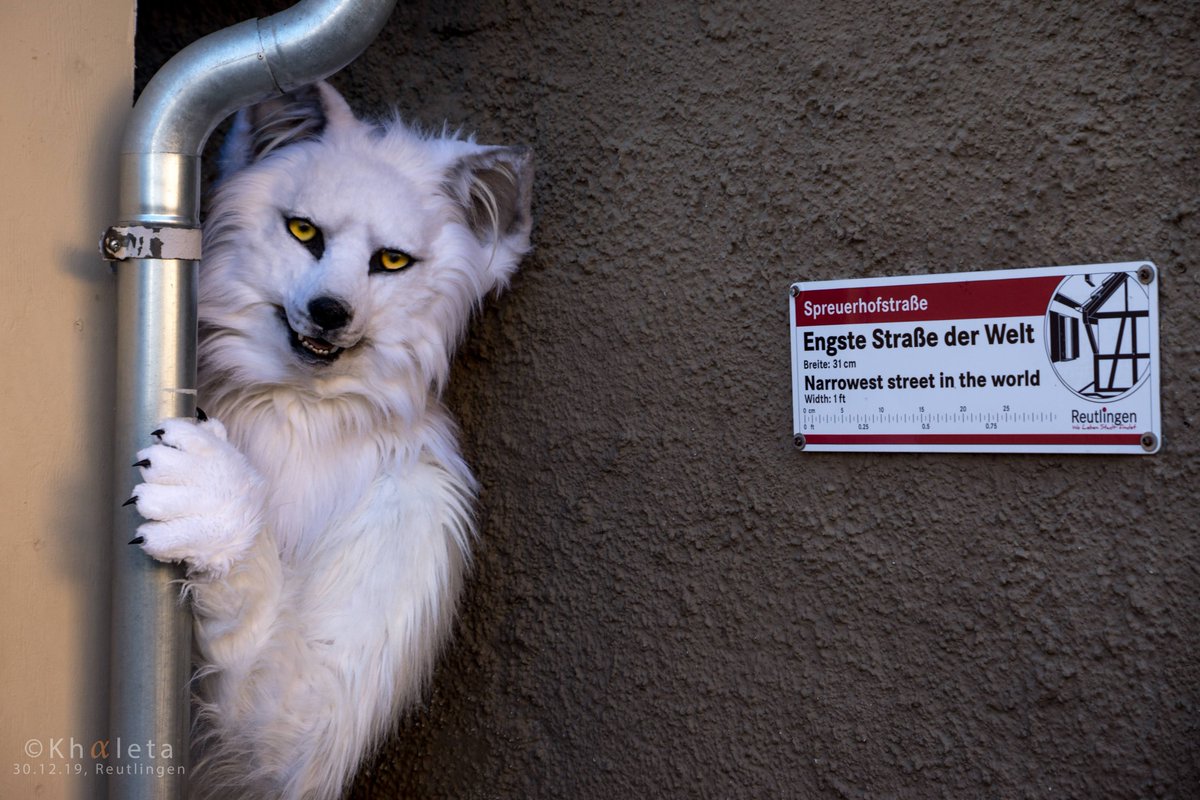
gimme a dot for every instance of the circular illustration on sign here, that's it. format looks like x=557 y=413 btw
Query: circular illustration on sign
x=1098 y=334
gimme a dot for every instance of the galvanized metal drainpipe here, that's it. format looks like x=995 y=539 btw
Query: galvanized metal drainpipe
x=155 y=246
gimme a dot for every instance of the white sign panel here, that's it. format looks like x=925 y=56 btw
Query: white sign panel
x=1044 y=360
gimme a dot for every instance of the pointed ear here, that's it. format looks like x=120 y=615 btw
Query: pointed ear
x=304 y=113
x=494 y=186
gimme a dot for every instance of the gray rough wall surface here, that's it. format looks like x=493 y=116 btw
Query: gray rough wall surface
x=668 y=599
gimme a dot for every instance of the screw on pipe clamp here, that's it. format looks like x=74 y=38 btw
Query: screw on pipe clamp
x=136 y=241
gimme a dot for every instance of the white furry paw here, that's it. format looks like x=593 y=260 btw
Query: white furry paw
x=203 y=500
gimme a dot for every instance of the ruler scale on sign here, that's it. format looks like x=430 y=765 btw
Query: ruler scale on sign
x=1048 y=359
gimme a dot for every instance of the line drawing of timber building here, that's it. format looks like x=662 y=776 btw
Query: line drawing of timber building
x=1109 y=316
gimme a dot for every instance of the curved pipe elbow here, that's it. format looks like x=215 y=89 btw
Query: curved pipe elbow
x=215 y=76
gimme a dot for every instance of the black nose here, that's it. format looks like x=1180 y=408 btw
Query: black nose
x=329 y=313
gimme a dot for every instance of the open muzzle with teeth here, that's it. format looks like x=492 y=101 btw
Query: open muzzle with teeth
x=318 y=347
x=311 y=348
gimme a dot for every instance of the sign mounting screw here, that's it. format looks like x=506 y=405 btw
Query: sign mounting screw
x=1149 y=442
x=1145 y=274
x=799 y=441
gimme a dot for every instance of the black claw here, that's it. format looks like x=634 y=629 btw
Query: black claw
x=158 y=432
x=130 y=501
x=145 y=462
x=200 y=415
x=137 y=540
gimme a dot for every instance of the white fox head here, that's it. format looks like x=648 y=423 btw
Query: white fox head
x=343 y=258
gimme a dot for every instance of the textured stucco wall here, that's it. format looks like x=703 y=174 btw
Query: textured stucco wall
x=671 y=601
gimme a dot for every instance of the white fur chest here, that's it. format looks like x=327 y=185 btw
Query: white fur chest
x=332 y=488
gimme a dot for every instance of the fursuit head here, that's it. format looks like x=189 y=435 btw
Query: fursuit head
x=321 y=506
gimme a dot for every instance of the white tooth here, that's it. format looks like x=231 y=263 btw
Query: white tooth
x=313 y=347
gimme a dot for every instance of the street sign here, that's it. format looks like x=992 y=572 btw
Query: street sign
x=1040 y=360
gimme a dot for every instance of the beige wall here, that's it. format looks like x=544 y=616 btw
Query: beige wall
x=68 y=67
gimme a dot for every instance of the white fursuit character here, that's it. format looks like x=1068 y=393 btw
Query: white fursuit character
x=322 y=509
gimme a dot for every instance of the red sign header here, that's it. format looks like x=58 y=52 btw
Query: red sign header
x=965 y=299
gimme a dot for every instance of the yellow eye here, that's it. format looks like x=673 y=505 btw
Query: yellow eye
x=302 y=229
x=394 y=259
